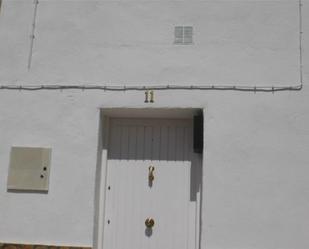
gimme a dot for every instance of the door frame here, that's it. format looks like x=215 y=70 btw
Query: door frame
x=102 y=157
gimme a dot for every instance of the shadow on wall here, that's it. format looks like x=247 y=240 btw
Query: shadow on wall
x=155 y=139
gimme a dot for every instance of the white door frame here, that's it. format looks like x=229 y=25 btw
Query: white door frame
x=102 y=165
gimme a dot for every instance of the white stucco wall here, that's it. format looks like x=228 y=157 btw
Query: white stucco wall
x=256 y=144
x=104 y=38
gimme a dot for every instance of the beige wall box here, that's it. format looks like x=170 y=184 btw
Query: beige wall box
x=29 y=169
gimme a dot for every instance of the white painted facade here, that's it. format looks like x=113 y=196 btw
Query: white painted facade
x=255 y=161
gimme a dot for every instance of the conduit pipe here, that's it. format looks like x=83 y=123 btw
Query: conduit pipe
x=32 y=36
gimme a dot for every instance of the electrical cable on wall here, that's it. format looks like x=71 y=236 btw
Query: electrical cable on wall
x=111 y=87
x=32 y=36
x=151 y=87
x=300 y=42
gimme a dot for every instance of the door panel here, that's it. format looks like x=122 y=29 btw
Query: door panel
x=147 y=139
x=134 y=145
x=130 y=200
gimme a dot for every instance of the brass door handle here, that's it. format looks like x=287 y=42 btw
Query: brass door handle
x=149 y=222
x=151 y=175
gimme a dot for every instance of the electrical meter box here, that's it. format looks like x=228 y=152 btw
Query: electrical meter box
x=29 y=169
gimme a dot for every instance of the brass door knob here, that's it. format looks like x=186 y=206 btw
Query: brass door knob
x=149 y=222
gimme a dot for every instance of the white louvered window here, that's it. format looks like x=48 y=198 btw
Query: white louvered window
x=183 y=35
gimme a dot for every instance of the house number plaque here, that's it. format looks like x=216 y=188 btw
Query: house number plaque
x=149 y=96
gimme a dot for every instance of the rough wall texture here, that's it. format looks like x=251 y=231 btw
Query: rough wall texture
x=256 y=145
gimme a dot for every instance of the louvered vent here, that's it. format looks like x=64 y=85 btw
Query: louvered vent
x=183 y=35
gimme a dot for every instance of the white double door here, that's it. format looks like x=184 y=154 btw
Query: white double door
x=131 y=198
